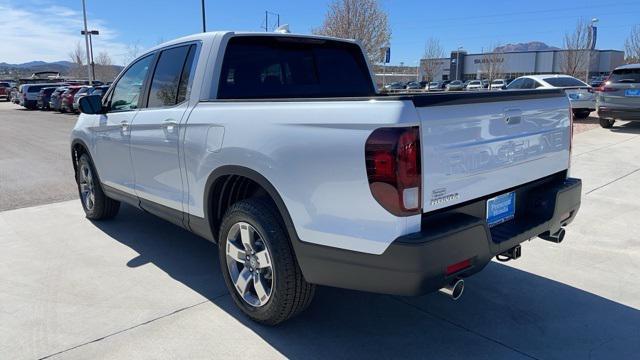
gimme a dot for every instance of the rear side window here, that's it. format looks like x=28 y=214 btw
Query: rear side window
x=33 y=89
x=279 y=67
x=625 y=76
x=564 y=81
x=169 y=83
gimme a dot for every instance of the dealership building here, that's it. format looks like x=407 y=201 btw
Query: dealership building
x=463 y=66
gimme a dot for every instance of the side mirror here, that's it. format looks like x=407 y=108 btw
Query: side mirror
x=90 y=104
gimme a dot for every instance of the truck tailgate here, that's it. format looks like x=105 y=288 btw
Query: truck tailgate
x=475 y=145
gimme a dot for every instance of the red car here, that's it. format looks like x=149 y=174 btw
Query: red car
x=5 y=90
x=66 y=103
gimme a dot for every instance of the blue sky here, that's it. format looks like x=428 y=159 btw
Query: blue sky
x=48 y=30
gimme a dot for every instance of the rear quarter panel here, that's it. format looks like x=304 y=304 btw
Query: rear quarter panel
x=312 y=152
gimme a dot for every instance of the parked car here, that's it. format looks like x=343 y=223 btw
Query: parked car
x=15 y=96
x=55 y=99
x=597 y=81
x=619 y=97
x=581 y=96
x=100 y=90
x=395 y=86
x=455 y=85
x=498 y=84
x=435 y=86
x=5 y=91
x=474 y=85
x=413 y=85
x=83 y=91
x=254 y=162
x=66 y=98
x=28 y=93
x=44 y=95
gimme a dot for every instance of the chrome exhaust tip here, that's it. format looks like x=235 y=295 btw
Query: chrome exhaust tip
x=556 y=237
x=453 y=290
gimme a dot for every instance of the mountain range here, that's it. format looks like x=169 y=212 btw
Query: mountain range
x=528 y=46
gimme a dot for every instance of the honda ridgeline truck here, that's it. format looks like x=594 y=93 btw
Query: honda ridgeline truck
x=279 y=148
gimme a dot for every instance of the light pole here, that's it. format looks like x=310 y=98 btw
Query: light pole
x=86 y=41
x=458 y=61
x=91 y=63
x=592 y=45
x=204 y=21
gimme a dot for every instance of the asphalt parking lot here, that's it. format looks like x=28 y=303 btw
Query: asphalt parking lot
x=139 y=287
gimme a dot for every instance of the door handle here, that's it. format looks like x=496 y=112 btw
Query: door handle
x=124 y=127
x=169 y=125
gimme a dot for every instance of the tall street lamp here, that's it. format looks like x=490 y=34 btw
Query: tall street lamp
x=91 y=63
x=458 y=61
x=86 y=41
x=592 y=45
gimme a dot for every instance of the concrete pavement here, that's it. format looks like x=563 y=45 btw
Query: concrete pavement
x=138 y=287
x=35 y=160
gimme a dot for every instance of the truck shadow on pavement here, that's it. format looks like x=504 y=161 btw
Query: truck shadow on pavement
x=631 y=127
x=504 y=313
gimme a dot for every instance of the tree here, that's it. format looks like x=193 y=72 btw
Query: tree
x=576 y=56
x=493 y=63
x=632 y=46
x=77 y=56
x=105 y=71
x=432 y=62
x=133 y=50
x=362 y=20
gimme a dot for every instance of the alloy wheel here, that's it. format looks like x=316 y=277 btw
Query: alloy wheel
x=250 y=264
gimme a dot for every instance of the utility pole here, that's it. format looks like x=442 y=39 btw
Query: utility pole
x=458 y=62
x=204 y=20
x=86 y=41
x=266 y=19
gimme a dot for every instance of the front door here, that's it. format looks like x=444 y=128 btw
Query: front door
x=112 y=135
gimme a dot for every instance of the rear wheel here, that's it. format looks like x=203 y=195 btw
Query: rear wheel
x=258 y=264
x=581 y=114
x=607 y=123
x=96 y=205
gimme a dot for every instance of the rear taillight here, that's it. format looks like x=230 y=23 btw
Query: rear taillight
x=394 y=170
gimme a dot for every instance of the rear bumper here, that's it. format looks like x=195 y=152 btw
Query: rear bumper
x=416 y=264
x=583 y=104
x=619 y=114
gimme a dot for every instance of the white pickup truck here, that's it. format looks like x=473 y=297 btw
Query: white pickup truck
x=278 y=148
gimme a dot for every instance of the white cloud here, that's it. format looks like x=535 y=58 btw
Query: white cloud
x=49 y=32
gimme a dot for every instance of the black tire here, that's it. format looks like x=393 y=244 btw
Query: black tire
x=100 y=207
x=607 y=123
x=581 y=114
x=290 y=294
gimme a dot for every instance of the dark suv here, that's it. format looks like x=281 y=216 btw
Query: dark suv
x=619 y=97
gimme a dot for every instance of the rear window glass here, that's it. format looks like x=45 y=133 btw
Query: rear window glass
x=4 y=84
x=33 y=89
x=269 y=67
x=625 y=76
x=564 y=81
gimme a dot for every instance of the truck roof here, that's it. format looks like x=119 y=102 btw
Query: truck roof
x=212 y=34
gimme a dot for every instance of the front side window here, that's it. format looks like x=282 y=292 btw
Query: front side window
x=280 y=67
x=169 y=83
x=516 y=84
x=127 y=91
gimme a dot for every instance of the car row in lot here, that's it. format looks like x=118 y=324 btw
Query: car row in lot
x=60 y=97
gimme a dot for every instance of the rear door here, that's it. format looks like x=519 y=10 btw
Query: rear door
x=156 y=131
x=476 y=144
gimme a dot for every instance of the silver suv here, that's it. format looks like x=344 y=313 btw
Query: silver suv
x=619 y=97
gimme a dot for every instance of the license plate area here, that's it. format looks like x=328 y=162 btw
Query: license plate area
x=501 y=208
x=632 y=92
